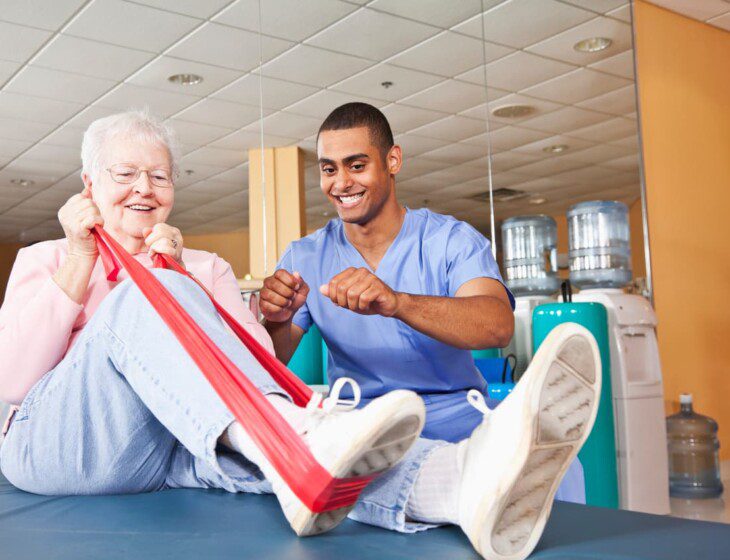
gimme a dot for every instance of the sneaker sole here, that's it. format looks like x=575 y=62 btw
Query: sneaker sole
x=563 y=401
x=375 y=452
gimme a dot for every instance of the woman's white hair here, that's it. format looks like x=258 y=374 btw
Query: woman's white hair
x=136 y=124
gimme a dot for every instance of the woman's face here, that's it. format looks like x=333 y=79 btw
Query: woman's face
x=128 y=209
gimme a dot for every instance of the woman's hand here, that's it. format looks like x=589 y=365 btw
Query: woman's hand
x=164 y=239
x=78 y=217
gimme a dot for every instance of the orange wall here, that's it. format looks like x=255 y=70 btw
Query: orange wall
x=7 y=258
x=684 y=91
x=232 y=247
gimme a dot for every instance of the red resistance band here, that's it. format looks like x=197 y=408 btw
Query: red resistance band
x=273 y=435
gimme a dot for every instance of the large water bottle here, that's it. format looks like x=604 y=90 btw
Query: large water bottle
x=598 y=244
x=694 y=464
x=530 y=255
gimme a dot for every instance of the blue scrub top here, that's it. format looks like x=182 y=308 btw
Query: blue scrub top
x=432 y=255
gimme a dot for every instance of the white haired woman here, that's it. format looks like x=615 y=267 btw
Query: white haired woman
x=110 y=403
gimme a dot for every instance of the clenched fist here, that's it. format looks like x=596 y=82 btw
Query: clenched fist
x=78 y=217
x=164 y=239
x=282 y=295
x=359 y=290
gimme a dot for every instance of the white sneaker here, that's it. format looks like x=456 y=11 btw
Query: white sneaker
x=347 y=443
x=515 y=459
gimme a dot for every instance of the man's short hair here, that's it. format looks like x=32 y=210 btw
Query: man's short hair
x=355 y=115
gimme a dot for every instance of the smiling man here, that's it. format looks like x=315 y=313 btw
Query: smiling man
x=400 y=296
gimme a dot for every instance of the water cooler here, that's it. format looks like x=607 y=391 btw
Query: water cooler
x=530 y=268
x=600 y=264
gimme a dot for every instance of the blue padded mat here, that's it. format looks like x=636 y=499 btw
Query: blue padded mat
x=192 y=524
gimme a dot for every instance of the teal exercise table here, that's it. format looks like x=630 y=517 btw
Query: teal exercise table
x=192 y=524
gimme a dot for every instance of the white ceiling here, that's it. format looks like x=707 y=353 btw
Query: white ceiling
x=65 y=63
x=714 y=12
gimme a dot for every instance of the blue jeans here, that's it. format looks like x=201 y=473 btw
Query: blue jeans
x=128 y=411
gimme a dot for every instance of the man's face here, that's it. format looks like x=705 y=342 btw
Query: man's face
x=354 y=176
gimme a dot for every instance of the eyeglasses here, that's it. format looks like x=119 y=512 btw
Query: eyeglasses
x=126 y=174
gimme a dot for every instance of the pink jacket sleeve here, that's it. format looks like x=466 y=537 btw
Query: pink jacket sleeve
x=36 y=322
x=227 y=293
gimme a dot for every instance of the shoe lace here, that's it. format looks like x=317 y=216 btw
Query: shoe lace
x=318 y=407
x=476 y=399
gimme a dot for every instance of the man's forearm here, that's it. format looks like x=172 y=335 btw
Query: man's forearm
x=281 y=336
x=473 y=322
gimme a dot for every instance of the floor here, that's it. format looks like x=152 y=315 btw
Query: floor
x=717 y=509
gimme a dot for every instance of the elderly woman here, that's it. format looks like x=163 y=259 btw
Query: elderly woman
x=109 y=402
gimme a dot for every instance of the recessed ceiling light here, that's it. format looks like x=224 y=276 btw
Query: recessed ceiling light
x=189 y=172
x=555 y=149
x=594 y=44
x=22 y=182
x=185 y=79
x=537 y=200
x=513 y=111
x=386 y=84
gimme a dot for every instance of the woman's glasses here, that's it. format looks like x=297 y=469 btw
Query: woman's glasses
x=125 y=174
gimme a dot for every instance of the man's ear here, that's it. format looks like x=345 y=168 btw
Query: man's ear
x=394 y=159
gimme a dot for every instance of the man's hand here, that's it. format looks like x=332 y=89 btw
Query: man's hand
x=282 y=295
x=359 y=290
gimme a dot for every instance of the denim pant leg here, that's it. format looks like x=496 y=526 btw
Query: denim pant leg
x=111 y=416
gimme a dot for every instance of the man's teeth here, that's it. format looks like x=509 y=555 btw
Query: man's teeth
x=349 y=199
x=139 y=207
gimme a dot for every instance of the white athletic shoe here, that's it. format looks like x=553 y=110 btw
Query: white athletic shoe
x=347 y=443
x=516 y=458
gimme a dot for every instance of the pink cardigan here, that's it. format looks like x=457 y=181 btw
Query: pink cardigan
x=39 y=322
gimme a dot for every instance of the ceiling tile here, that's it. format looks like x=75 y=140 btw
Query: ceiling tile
x=403 y=118
x=451 y=96
x=13 y=129
x=517 y=71
x=11 y=148
x=723 y=21
x=84 y=118
x=519 y=23
x=49 y=152
x=456 y=153
x=610 y=130
x=507 y=138
x=598 y=155
x=623 y=13
x=289 y=124
x=161 y=103
x=536 y=148
x=325 y=101
x=200 y=172
x=217 y=157
x=576 y=86
x=52 y=169
x=155 y=75
x=453 y=128
x=548 y=166
x=109 y=21
x=288 y=19
x=7 y=69
x=246 y=139
x=624 y=163
x=309 y=65
x=373 y=35
x=63 y=86
x=698 y=10
x=217 y=188
x=18 y=43
x=236 y=176
x=226 y=46
x=221 y=113
x=618 y=102
x=91 y=58
x=504 y=161
x=563 y=120
x=403 y=82
x=413 y=145
x=561 y=46
x=194 y=8
x=540 y=106
x=619 y=65
x=600 y=6
x=40 y=13
x=417 y=166
x=448 y=54
x=277 y=94
x=434 y=12
x=197 y=134
x=38 y=109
